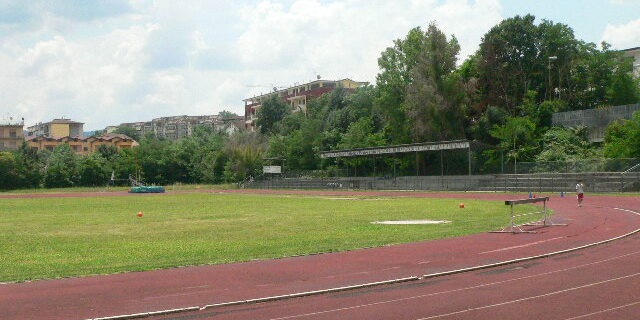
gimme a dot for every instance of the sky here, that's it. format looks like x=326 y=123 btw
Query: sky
x=105 y=62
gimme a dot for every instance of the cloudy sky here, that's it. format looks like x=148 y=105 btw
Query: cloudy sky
x=104 y=62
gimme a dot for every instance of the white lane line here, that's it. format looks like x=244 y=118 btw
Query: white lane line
x=196 y=287
x=603 y=311
x=456 y=290
x=532 y=297
x=522 y=246
x=423 y=262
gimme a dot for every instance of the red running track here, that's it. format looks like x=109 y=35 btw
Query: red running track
x=119 y=294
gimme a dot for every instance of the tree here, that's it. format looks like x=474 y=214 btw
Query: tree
x=272 y=111
x=436 y=96
x=517 y=136
x=492 y=117
x=94 y=170
x=623 y=88
x=245 y=151
x=509 y=57
x=108 y=152
x=622 y=138
x=29 y=166
x=566 y=144
x=517 y=56
x=62 y=169
x=8 y=171
x=396 y=64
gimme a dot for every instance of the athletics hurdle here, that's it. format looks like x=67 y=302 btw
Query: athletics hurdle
x=517 y=227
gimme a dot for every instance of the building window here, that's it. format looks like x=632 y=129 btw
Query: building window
x=50 y=148
x=85 y=149
x=12 y=134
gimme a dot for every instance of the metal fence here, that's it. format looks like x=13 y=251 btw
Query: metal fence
x=579 y=166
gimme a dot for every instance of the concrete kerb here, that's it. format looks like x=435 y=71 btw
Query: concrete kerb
x=147 y=314
x=379 y=283
x=311 y=293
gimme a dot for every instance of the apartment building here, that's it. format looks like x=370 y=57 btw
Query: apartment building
x=11 y=133
x=298 y=96
x=177 y=127
x=57 y=128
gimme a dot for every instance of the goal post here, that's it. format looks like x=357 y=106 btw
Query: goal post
x=515 y=225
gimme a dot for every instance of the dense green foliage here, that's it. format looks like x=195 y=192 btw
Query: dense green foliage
x=205 y=157
x=502 y=96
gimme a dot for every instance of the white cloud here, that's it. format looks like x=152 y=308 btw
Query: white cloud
x=623 y=36
x=145 y=59
x=282 y=44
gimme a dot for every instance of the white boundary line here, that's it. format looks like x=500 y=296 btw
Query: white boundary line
x=373 y=284
x=605 y=310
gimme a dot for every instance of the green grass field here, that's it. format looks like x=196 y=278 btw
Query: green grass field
x=58 y=237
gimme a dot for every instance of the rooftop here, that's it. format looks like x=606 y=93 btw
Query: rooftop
x=631 y=49
x=303 y=84
x=64 y=121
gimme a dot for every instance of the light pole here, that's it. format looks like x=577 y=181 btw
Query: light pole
x=552 y=58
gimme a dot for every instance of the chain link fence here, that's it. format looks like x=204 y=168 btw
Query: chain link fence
x=578 y=166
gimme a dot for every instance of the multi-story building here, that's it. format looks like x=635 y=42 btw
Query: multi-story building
x=635 y=54
x=297 y=96
x=183 y=126
x=58 y=128
x=81 y=145
x=11 y=133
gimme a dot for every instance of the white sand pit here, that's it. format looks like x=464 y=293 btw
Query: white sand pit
x=412 y=222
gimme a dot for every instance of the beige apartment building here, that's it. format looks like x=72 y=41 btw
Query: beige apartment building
x=57 y=128
x=11 y=134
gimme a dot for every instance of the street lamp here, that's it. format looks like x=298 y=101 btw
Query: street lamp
x=552 y=58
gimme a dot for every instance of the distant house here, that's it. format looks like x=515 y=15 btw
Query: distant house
x=47 y=136
x=297 y=96
x=82 y=145
x=11 y=133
